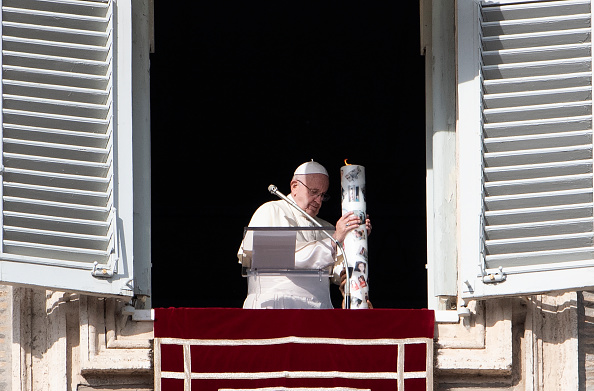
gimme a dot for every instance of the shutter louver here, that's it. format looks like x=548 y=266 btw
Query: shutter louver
x=537 y=134
x=57 y=140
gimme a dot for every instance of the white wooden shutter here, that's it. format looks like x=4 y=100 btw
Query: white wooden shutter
x=60 y=138
x=525 y=123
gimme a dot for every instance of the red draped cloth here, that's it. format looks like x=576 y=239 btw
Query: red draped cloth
x=237 y=349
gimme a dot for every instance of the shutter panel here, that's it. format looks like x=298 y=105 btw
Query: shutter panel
x=57 y=133
x=58 y=137
x=535 y=76
x=537 y=132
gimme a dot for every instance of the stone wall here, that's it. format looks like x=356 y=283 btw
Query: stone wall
x=5 y=338
x=58 y=341
x=538 y=342
x=73 y=342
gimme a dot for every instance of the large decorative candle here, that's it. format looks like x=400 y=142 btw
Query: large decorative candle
x=352 y=181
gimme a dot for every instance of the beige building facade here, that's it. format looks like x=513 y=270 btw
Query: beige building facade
x=510 y=230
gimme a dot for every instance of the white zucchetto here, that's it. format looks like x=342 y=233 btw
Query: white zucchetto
x=311 y=168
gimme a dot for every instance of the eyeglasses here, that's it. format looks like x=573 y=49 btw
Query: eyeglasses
x=315 y=193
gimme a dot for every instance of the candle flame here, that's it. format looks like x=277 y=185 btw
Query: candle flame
x=345 y=162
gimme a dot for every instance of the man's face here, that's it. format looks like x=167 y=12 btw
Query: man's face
x=317 y=183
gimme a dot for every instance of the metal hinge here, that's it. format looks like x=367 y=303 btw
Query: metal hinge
x=495 y=277
x=106 y=270
x=101 y=271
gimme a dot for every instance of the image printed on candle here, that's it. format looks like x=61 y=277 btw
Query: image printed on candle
x=361 y=215
x=363 y=252
x=362 y=282
x=354 y=194
x=353 y=174
x=361 y=266
x=354 y=285
x=357 y=212
x=356 y=302
x=359 y=234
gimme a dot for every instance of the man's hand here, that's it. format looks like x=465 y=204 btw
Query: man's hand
x=346 y=224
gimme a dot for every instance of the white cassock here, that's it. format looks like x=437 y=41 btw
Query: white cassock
x=313 y=251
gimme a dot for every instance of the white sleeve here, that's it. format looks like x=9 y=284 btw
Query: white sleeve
x=314 y=255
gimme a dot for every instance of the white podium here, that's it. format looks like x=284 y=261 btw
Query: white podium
x=275 y=251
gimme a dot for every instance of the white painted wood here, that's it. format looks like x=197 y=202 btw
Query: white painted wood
x=535 y=8
x=469 y=143
x=438 y=22
x=442 y=164
x=534 y=203
x=142 y=11
x=123 y=162
x=67 y=182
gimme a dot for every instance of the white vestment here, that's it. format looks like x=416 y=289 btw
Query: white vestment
x=313 y=251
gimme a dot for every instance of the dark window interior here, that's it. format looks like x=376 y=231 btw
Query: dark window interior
x=242 y=92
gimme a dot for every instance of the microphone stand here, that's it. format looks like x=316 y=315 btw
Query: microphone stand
x=347 y=289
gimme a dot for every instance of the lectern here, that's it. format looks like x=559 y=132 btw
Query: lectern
x=284 y=251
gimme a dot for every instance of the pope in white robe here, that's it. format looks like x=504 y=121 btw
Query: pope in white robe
x=313 y=249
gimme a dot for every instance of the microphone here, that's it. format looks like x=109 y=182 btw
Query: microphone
x=347 y=299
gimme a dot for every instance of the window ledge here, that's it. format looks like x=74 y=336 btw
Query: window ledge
x=443 y=316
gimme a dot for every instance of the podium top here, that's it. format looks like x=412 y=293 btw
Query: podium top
x=296 y=229
x=286 y=249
